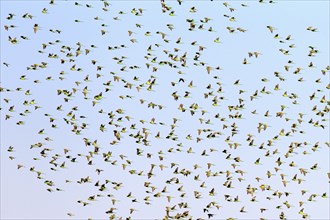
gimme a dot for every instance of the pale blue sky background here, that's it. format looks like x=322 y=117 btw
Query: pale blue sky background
x=23 y=196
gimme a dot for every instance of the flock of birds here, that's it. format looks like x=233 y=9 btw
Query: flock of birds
x=187 y=142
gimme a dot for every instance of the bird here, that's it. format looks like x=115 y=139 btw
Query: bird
x=35 y=28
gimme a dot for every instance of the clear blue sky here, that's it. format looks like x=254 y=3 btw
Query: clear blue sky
x=24 y=196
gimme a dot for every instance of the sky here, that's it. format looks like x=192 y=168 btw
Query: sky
x=24 y=196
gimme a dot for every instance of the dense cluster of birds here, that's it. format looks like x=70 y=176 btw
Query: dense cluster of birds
x=182 y=141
